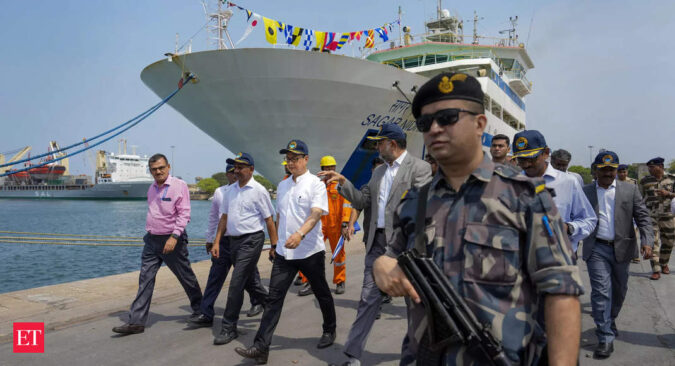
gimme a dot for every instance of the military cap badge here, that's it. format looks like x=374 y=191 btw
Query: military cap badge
x=521 y=143
x=292 y=145
x=608 y=159
x=445 y=86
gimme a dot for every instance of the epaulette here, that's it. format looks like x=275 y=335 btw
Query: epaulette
x=511 y=173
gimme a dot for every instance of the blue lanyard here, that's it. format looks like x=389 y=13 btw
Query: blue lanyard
x=166 y=189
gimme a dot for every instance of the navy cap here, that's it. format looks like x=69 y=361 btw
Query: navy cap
x=242 y=158
x=229 y=168
x=656 y=161
x=447 y=86
x=528 y=144
x=622 y=167
x=606 y=159
x=295 y=147
x=390 y=131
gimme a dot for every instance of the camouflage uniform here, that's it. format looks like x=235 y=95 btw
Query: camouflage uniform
x=662 y=219
x=491 y=241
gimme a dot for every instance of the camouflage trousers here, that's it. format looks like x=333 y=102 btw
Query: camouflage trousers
x=664 y=238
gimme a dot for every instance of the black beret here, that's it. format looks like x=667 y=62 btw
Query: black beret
x=656 y=161
x=447 y=86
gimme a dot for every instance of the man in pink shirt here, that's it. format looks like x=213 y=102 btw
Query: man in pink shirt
x=166 y=241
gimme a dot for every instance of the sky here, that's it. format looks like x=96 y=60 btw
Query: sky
x=71 y=69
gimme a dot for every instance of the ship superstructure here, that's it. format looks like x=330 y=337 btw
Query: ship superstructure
x=257 y=99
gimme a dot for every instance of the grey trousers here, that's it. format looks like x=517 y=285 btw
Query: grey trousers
x=151 y=260
x=369 y=304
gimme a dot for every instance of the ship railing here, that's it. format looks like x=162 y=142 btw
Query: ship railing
x=440 y=57
x=396 y=42
x=514 y=75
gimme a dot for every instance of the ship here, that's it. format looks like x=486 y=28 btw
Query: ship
x=258 y=99
x=118 y=176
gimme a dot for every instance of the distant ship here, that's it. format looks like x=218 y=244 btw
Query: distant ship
x=119 y=176
x=257 y=99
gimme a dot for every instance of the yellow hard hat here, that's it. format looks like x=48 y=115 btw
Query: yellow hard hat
x=328 y=161
x=284 y=163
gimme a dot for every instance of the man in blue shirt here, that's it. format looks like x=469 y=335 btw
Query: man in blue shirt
x=530 y=148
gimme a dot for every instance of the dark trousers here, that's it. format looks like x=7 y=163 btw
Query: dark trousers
x=609 y=284
x=151 y=260
x=369 y=304
x=220 y=267
x=283 y=273
x=244 y=254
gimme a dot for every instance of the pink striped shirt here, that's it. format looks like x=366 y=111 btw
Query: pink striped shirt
x=168 y=207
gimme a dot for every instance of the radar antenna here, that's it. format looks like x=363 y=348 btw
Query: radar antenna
x=513 y=36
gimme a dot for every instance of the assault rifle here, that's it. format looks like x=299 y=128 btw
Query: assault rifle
x=449 y=319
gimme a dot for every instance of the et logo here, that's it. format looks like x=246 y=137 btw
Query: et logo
x=29 y=337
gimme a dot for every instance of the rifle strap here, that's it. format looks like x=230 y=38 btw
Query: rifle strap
x=420 y=220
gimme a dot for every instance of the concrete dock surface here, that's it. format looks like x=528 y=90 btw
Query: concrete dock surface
x=79 y=316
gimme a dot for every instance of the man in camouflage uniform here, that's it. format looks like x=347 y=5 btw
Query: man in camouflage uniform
x=658 y=189
x=495 y=233
x=622 y=175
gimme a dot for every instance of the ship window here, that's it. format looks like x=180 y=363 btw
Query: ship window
x=506 y=63
x=496 y=109
x=412 y=62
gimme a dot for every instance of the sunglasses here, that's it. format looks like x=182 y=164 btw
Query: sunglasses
x=443 y=117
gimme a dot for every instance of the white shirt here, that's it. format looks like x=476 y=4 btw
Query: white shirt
x=246 y=208
x=577 y=176
x=295 y=199
x=385 y=187
x=214 y=214
x=606 y=201
x=573 y=206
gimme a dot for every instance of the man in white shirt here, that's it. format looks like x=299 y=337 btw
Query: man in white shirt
x=246 y=210
x=532 y=152
x=220 y=266
x=301 y=201
x=560 y=159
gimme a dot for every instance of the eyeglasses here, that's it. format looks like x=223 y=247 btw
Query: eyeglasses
x=294 y=159
x=443 y=117
x=157 y=169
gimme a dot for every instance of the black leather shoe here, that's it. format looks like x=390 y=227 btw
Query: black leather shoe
x=254 y=310
x=129 y=329
x=326 y=340
x=226 y=336
x=604 y=350
x=200 y=321
x=259 y=356
x=306 y=290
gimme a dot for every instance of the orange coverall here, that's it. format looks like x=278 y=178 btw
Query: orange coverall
x=339 y=210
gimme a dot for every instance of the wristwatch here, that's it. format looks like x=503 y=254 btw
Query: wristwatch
x=302 y=236
x=175 y=236
x=570 y=229
x=274 y=246
x=344 y=224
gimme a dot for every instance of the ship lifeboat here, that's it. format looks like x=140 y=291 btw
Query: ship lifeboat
x=47 y=172
x=20 y=176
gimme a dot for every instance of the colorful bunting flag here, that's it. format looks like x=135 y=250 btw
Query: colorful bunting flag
x=308 y=39
x=382 y=31
x=254 y=20
x=271 y=27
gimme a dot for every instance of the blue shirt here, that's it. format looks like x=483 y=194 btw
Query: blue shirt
x=575 y=209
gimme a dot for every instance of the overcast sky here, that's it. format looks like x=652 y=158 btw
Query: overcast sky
x=71 y=69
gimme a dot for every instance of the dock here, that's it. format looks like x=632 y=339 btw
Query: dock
x=79 y=316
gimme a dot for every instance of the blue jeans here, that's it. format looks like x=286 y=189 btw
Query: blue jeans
x=609 y=283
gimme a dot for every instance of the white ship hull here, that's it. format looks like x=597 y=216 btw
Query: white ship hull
x=256 y=100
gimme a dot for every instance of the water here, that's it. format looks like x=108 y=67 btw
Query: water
x=25 y=266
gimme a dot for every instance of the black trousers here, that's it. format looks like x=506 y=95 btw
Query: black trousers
x=151 y=260
x=283 y=273
x=244 y=254
x=220 y=267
